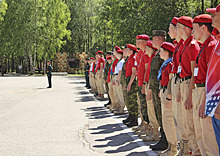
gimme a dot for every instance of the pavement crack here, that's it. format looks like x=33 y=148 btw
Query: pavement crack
x=86 y=143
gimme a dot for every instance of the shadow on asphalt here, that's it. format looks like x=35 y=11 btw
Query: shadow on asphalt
x=85 y=99
x=123 y=142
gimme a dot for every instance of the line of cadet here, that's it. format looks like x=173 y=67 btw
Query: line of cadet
x=165 y=84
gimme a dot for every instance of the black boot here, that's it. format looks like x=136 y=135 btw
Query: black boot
x=133 y=121
x=162 y=144
x=127 y=120
x=107 y=104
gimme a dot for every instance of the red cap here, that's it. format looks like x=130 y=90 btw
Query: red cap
x=142 y=37
x=186 y=20
x=117 y=48
x=213 y=10
x=215 y=32
x=150 y=44
x=109 y=57
x=168 y=46
x=132 y=47
x=174 y=20
x=175 y=42
x=99 y=52
x=91 y=58
x=204 y=18
x=120 y=51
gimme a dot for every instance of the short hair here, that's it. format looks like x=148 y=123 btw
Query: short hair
x=109 y=52
x=208 y=25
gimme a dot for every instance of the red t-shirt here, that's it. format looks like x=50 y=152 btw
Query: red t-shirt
x=101 y=60
x=129 y=64
x=114 y=64
x=165 y=74
x=148 y=67
x=109 y=73
x=141 y=68
x=189 y=53
x=203 y=59
x=176 y=56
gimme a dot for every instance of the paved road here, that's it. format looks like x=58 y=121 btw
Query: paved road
x=65 y=120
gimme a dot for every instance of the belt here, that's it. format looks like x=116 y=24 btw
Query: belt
x=185 y=78
x=176 y=75
x=200 y=85
x=163 y=87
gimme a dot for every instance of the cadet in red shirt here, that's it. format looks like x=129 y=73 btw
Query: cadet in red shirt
x=131 y=85
x=153 y=134
x=205 y=135
x=99 y=74
x=166 y=53
x=141 y=42
x=185 y=69
x=174 y=85
x=115 y=104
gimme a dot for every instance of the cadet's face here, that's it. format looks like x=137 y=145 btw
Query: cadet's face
x=124 y=52
x=172 y=31
x=114 y=52
x=216 y=20
x=197 y=31
x=48 y=63
x=162 y=53
x=109 y=61
x=141 y=43
x=179 y=30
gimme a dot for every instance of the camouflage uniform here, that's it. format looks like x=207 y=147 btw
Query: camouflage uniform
x=143 y=104
x=132 y=97
x=107 y=66
x=154 y=86
x=123 y=83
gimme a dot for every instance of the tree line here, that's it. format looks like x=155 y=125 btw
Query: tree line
x=32 y=31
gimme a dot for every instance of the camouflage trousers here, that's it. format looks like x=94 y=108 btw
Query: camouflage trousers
x=123 y=83
x=132 y=97
x=157 y=106
x=143 y=105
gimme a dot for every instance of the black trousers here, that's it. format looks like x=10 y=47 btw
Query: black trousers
x=49 y=80
x=87 y=79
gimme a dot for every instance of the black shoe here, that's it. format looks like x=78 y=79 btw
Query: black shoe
x=127 y=120
x=161 y=145
x=107 y=104
x=48 y=87
x=88 y=87
x=133 y=121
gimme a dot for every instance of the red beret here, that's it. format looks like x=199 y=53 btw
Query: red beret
x=91 y=58
x=117 y=48
x=150 y=44
x=142 y=37
x=120 y=51
x=215 y=32
x=174 y=20
x=109 y=57
x=99 y=52
x=168 y=46
x=213 y=10
x=132 y=47
x=204 y=18
x=175 y=42
x=186 y=20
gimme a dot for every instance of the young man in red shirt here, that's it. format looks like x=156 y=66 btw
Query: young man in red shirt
x=141 y=42
x=153 y=134
x=185 y=70
x=205 y=135
x=99 y=74
x=131 y=85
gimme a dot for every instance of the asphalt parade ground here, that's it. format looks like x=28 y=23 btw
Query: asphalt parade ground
x=65 y=120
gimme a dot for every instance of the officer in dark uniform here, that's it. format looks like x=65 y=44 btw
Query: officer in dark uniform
x=49 y=73
x=87 y=67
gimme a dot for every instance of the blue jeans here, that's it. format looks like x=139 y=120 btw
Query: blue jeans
x=216 y=126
